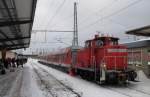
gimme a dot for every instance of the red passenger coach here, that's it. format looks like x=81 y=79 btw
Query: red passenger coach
x=102 y=59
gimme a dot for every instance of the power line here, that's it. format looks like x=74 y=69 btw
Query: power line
x=50 y=2
x=43 y=42
x=34 y=31
x=52 y=18
x=60 y=41
x=115 y=13
x=65 y=18
x=115 y=22
x=58 y=9
x=100 y=10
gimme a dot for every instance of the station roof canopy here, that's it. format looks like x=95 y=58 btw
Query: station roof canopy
x=143 y=31
x=16 y=19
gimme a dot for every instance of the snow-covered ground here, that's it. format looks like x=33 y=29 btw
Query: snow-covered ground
x=10 y=83
x=89 y=89
x=37 y=80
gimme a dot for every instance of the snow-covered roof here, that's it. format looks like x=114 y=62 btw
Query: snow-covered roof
x=138 y=43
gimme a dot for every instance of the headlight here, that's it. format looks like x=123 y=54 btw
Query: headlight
x=104 y=65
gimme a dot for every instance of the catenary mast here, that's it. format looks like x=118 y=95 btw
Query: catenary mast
x=75 y=47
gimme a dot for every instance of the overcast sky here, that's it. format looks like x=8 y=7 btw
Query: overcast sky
x=110 y=17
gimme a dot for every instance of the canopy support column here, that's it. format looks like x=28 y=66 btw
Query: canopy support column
x=3 y=54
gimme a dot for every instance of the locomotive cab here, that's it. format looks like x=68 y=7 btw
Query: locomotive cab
x=105 y=40
x=101 y=42
x=110 y=59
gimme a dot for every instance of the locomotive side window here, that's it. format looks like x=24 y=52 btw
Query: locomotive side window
x=99 y=43
x=115 y=42
x=87 y=44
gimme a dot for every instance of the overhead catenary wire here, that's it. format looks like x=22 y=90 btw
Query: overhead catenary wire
x=50 y=2
x=65 y=18
x=57 y=10
x=100 y=10
x=34 y=31
x=57 y=42
x=112 y=14
x=52 y=18
x=117 y=23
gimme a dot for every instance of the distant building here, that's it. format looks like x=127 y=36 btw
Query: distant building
x=139 y=55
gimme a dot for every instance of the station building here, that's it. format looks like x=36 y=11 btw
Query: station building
x=139 y=55
x=139 y=51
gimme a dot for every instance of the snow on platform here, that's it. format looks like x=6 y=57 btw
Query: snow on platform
x=10 y=83
x=29 y=83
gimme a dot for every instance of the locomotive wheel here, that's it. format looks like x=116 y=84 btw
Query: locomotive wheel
x=112 y=78
x=86 y=75
x=132 y=76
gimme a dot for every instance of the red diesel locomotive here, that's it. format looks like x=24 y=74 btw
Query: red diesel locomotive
x=102 y=59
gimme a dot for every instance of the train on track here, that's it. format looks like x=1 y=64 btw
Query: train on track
x=102 y=59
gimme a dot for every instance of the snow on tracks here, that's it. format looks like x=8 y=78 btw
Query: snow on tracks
x=52 y=85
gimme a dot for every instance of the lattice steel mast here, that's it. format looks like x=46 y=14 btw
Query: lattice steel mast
x=74 y=48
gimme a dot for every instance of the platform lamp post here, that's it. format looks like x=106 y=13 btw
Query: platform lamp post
x=75 y=46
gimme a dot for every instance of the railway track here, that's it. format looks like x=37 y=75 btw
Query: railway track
x=65 y=88
x=42 y=81
x=123 y=92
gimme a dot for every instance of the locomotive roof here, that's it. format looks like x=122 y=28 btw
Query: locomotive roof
x=103 y=37
x=138 y=44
